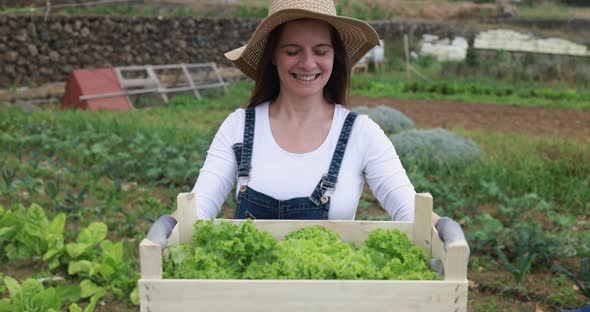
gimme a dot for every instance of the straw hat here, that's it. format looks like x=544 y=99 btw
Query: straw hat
x=358 y=36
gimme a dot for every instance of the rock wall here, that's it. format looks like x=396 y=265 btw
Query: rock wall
x=35 y=3
x=35 y=50
x=38 y=51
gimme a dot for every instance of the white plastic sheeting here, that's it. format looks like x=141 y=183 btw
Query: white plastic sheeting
x=510 y=40
x=376 y=55
x=444 y=49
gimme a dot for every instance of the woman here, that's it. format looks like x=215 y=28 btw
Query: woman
x=296 y=150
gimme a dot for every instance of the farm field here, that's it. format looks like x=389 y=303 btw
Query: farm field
x=536 y=122
x=123 y=170
x=79 y=190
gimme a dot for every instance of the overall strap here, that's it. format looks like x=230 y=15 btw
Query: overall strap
x=329 y=180
x=244 y=162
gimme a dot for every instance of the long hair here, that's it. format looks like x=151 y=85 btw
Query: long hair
x=267 y=85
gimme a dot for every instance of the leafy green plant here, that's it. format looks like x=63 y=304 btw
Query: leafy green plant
x=482 y=236
x=34 y=161
x=530 y=209
x=74 y=203
x=426 y=61
x=490 y=305
x=89 y=307
x=515 y=206
x=526 y=251
x=27 y=233
x=53 y=188
x=8 y=175
x=490 y=191
x=102 y=269
x=115 y=173
x=2 y=287
x=565 y=295
x=31 y=184
x=226 y=250
x=31 y=296
x=584 y=244
x=583 y=282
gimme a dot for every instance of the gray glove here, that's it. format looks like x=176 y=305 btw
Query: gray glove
x=161 y=229
x=449 y=231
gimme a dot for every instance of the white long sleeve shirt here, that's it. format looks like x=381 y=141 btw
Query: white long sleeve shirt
x=369 y=156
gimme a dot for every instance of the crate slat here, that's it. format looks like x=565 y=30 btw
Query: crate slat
x=302 y=295
x=187 y=215
x=150 y=259
x=422 y=225
x=456 y=261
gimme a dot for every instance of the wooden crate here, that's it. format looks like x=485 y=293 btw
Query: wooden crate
x=450 y=294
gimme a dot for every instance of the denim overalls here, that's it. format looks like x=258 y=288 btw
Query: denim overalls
x=255 y=205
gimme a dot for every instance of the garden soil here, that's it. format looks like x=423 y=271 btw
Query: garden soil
x=530 y=121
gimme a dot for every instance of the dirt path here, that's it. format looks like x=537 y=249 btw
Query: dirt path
x=533 y=121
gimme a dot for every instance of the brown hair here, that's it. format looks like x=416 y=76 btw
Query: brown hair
x=267 y=85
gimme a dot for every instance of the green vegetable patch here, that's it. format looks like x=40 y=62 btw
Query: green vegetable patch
x=229 y=251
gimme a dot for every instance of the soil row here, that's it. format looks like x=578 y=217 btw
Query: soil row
x=532 y=121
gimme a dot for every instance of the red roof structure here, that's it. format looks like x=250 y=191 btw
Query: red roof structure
x=89 y=82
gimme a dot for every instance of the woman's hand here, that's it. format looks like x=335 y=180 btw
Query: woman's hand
x=161 y=229
x=449 y=231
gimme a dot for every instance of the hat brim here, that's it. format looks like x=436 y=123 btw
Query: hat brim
x=358 y=37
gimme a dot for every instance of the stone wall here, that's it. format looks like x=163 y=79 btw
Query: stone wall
x=36 y=3
x=33 y=50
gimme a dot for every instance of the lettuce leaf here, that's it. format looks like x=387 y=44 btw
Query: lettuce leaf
x=228 y=251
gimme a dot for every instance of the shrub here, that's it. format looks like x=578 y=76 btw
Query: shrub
x=426 y=61
x=583 y=244
x=482 y=237
x=246 y=11
x=390 y=120
x=582 y=3
x=582 y=74
x=519 y=66
x=434 y=148
x=525 y=248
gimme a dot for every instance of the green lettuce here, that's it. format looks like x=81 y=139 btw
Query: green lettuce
x=228 y=251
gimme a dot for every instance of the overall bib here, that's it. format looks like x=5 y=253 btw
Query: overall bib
x=256 y=205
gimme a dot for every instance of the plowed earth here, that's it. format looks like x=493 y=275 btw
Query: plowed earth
x=531 y=121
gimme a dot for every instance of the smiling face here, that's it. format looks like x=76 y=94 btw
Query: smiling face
x=304 y=58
